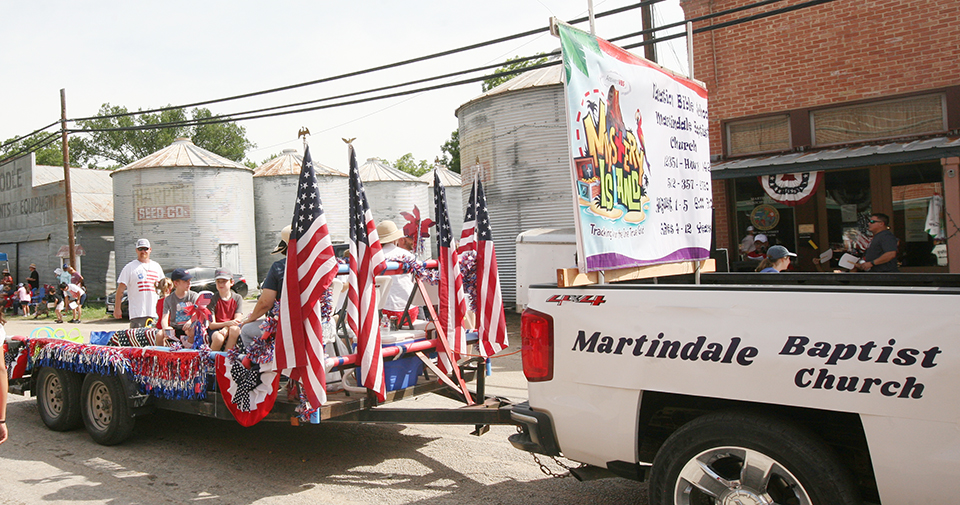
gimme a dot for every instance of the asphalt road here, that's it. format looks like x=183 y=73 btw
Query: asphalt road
x=179 y=458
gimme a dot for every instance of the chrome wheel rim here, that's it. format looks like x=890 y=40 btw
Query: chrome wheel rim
x=52 y=395
x=737 y=476
x=100 y=406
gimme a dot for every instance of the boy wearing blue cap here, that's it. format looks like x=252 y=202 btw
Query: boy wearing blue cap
x=175 y=307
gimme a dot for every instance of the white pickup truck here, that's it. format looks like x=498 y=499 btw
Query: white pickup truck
x=752 y=388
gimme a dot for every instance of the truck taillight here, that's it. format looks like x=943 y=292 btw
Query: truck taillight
x=536 y=332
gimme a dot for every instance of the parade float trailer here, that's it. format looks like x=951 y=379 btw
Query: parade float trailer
x=106 y=387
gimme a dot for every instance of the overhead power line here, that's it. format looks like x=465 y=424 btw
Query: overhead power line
x=265 y=112
x=18 y=139
x=378 y=68
x=221 y=119
x=36 y=146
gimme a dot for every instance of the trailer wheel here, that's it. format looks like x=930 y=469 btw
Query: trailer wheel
x=105 y=411
x=731 y=457
x=58 y=398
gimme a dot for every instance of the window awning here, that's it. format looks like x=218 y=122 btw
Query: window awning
x=847 y=157
x=64 y=251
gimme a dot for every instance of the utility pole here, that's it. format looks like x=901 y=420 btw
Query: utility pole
x=68 y=198
x=593 y=26
x=646 y=19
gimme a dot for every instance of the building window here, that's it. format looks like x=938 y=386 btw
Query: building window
x=879 y=120
x=754 y=136
x=918 y=217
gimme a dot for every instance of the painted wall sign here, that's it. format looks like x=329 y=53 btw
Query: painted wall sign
x=165 y=201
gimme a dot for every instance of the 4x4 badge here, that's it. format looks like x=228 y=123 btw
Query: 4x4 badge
x=591 y=299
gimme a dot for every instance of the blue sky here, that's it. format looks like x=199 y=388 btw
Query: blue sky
x=150 y=54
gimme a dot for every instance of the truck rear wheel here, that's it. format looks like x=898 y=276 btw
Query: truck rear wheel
x=105 y=411
x=731 y=457
x=58 y=398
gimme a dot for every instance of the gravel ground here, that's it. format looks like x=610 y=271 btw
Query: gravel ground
x=179 y=458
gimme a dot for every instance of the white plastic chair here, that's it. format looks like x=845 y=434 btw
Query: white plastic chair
x=383 y=287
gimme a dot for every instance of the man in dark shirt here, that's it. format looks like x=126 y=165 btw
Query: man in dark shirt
x=270 y=292
x=34 y=278
x=881 y=255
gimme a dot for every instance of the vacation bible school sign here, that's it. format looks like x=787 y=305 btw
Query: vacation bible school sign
x=641 y=158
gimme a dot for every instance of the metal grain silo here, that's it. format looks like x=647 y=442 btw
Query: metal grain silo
x=275 y=190
x=391 y=191
x=452 y=182
x=515 y=134
x=194 y=206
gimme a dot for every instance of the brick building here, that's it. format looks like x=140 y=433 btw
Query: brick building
x=859 y=100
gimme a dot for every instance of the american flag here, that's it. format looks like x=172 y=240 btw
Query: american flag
x=366 y=261
x=491 y=322
x=467 y=236
x=453 y=300
x=311 y=266
x=864 y=237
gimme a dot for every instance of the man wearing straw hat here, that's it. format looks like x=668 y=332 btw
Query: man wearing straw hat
x=396 y=247
x=34 y=278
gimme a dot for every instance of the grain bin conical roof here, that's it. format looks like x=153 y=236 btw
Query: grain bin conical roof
x=290 y=162
x=375 y=170
x=546 y=76
x=447 y=177
x=182 y=153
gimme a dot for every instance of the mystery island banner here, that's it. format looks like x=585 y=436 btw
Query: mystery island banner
x=640 y=157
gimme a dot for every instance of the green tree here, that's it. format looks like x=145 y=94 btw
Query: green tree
x=451 y=152
x=50 y=154
x=512 y=64
x=121 y=147
x=408 y=164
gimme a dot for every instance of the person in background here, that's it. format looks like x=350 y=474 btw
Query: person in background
x=881 y=254
x=175 y=307
x=164 y=287
x=75 y=277
x=34 y=278
x=7 y=280
x=397 y=247
x=227 y=309
x=75 y=297
x=23 y=299
x=746 y=245
x=138 y=279
x=3 y=383
x=55 y=297
x=63 y=275
x=777 y=260
x=759 y=248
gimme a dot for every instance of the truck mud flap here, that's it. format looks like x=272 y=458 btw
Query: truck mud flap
x=536 y=433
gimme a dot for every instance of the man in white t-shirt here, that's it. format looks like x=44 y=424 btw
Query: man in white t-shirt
x=137 y=279
x=396 y=247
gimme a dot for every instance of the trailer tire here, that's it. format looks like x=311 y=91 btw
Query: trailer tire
x=748 y=458
x=58 y=398
x=105 y=411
